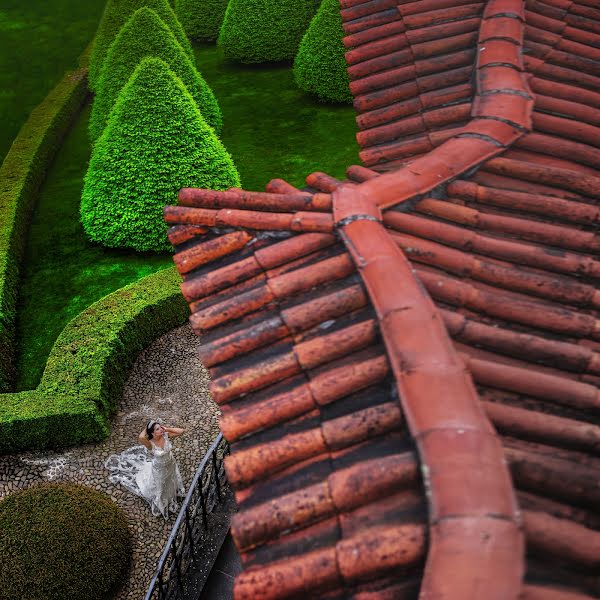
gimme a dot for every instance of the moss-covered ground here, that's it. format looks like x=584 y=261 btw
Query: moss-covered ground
x=39 y=41
x=271 y=128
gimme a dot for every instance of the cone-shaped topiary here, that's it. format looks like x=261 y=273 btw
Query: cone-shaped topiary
x=116 y=13
x=60 y=540
x=155 y=143
x=255 y=31
x=201 y=19
x=320 y=66
x=143 y=35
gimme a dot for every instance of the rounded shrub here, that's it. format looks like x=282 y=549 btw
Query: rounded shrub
x=256 y=31
x=201 y=20
x=61 y=542
x=320 y=66
x=155 y=143
x=116 y=13
x=145 y=34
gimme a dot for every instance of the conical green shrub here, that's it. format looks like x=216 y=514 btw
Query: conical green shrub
x=201 y=19
x=116 y=13
x=155 y=143
x=143 y=35
x=320 y=67
x=256 y=31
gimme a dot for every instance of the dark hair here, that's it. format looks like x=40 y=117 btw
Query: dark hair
x=150 y=429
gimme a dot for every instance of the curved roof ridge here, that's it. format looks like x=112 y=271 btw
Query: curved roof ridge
x=500 y=114
x=473 y=515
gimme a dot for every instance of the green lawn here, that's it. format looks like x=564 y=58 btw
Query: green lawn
x=271 y=129
x=39 y=41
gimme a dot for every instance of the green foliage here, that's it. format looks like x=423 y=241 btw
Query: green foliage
x=89 y=364
x=201 y=19
x=61 y=541
x=115 y=15
x=145 y=156
x=143 y=35
x=21 y=175
x=256 y=31
x=320 y=66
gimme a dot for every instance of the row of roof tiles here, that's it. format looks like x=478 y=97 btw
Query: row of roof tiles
x=340 y=388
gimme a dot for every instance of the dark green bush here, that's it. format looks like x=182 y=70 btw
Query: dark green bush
x=61 y=541
x=89 y=364
x=201 y=19
x=256 y=31
x=320 y=66
x=155 y=143
x=143 y=35
x=21 y=174
x=115 y=15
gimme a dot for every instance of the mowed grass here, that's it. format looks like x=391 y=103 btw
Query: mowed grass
x=39 y=41
x=272 y=129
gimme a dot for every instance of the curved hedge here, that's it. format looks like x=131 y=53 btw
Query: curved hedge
x=61 y=542
x=201 y=20
x=145 y=34
x=21 y=174
x=256 y=31
x=115 y=15
x=320 y=66
x=89 y=364
x=145 y=156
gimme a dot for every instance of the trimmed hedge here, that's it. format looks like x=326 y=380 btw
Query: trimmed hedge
x=320 y=66
x=145 y=156
x=256 y=31
x=62 y=542
x=144 y=35
x=21 y=174
x=201 y=20
x=115 y=15
x=89 y=364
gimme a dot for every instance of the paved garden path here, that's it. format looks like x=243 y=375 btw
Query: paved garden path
x=167 y=382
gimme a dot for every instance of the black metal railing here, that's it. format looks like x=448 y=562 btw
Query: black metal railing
x=184 y=548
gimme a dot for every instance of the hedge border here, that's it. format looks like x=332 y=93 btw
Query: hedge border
x=21 y=175
x=89 y=364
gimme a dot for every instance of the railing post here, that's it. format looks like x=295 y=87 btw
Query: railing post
x=179 y=577
x=160 y=584
x=216 y=470
x=203 y=505
x=190 y=532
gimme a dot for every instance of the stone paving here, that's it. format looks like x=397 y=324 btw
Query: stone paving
x=167 y=382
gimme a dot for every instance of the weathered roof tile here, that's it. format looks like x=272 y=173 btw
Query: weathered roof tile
x=332 y=362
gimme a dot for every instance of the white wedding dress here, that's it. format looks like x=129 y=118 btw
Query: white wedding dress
x=156 y=478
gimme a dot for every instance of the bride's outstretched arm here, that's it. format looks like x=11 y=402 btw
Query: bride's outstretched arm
x=174 y=431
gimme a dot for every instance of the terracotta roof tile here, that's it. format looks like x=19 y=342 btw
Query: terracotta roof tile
x=453 y=281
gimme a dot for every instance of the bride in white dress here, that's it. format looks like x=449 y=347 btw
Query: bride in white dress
x=157 y=480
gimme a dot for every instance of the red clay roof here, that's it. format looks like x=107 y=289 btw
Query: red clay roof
x=360 y=334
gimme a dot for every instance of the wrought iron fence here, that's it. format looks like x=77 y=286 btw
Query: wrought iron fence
x=183 y=550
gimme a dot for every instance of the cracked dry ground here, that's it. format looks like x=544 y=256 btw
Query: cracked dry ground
x=167 y=382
